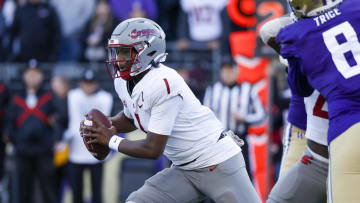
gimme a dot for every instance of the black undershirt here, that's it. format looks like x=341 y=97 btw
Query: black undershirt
x=130 y=86
x=131 y=83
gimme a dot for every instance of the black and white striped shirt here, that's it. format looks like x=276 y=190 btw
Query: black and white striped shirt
x=225 y=101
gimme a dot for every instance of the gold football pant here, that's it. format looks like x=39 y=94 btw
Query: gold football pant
x=294 y=144
x=344 y=174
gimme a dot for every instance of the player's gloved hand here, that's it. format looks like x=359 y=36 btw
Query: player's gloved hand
x=236 y=138
x=270 y=30
x=98 y=132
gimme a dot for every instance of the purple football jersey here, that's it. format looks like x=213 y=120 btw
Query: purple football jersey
x=297 y=113
x=326 y=49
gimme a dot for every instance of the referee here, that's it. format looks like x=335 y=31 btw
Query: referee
x=236 y=105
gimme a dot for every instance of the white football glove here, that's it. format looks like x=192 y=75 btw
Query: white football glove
x=271 y=28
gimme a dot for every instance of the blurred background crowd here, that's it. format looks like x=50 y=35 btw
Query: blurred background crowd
x=52 y=72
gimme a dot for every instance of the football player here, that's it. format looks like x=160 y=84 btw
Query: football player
x=323 y=52
x=206 y=159
x=305 y=181
x=294 y=141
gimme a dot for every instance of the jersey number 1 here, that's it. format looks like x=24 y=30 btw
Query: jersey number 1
x=344 y=46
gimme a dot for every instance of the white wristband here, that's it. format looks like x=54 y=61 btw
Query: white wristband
x=115 y=142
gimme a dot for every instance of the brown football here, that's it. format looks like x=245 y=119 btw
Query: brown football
x=97 y=150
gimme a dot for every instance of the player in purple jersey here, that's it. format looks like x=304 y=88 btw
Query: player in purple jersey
x=293 y=139
x=305 y=181
x=323 y=51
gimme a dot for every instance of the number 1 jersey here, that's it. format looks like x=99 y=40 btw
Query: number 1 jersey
x=194 y=135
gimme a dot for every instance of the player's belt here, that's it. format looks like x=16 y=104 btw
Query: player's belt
x=319 y=149
x=222 y=135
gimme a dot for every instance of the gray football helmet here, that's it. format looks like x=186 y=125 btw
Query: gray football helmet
x=309 y=8
x=135 y=45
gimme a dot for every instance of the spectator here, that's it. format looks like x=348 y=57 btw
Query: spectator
x=200 y=21
x=236 y=106
x=60 y=86
x=134 y=8
x=97 y=32
x=36 y=31
x=74 y=15
x=33 y=137
x=80 y=101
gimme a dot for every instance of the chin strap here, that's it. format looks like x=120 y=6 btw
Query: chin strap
x=125 y=75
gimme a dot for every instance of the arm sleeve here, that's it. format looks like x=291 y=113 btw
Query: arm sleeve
x=298 y=82
x=289 y=42
x=163 y=116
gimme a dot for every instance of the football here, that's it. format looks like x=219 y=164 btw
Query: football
x=98 y=151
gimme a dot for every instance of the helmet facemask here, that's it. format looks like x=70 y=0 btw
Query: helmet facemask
x=123 y=60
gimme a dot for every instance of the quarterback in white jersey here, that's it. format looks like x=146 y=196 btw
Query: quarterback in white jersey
x=305 y=181
x=168 y=107
x=207 y=161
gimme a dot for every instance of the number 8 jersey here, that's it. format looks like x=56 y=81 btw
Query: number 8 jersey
x=324 y=51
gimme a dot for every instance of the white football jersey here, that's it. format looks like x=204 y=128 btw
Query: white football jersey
x=204 y=18
x=194 y=134
x=317 y=118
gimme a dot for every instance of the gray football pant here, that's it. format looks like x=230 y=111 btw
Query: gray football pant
x=305 y=182
x=228 y=182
